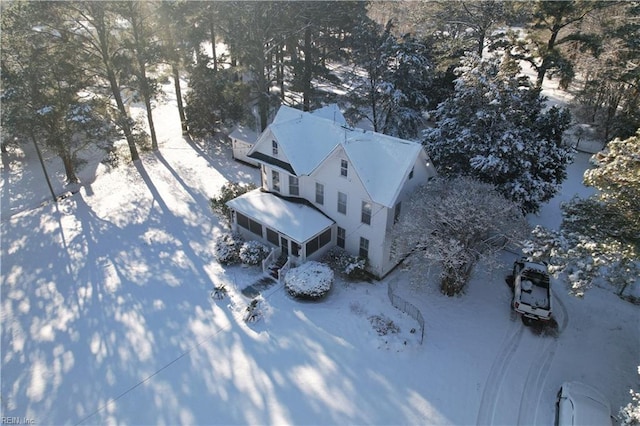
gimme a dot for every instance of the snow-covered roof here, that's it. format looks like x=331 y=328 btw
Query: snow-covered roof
x=330 y=112
x=286 y=113
x=245 y=134
x=380 y=161
x=306 y=140
x=298 y=221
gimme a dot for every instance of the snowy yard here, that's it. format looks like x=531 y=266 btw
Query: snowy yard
x=107 y=319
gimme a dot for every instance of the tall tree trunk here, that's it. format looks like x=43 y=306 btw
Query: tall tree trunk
x=280 y=70
x=136 y=25
x=176 y=83
x=44 y=169
x=263 y=95
x=546 y=61
x=146 y=94
x=152 y=128
x=263 y=109
x=69 y=169
x=212 y=29
x=103 y=43
x=123 y=119
x=453 y=280
x=373 y=101
x=308 y=65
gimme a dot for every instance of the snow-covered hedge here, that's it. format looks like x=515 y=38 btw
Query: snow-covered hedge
x=253 y=252
x=227 y=248
x=311 y=280
x=352 y=267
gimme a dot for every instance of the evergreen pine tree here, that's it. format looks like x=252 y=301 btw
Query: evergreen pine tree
x=497 y=129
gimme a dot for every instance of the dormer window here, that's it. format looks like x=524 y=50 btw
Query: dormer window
x=274 y=147
x=344 y=168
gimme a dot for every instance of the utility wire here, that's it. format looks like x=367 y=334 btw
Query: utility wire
x=146 y=379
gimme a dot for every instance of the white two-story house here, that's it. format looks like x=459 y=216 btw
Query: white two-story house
x=325 y=184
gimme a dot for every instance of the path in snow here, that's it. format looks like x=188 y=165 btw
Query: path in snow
x=539 y=369
x=497 y=373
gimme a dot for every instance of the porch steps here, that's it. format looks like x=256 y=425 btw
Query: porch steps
x=265 y=282
x=275 y=267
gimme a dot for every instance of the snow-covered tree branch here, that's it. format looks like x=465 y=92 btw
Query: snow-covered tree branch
x=497 y=129
x=455 y=223
x=600 y=236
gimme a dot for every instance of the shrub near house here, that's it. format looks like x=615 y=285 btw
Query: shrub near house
x=311 y=280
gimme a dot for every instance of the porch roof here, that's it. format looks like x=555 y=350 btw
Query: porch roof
x=298 y=221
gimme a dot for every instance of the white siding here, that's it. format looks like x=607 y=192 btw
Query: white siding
x=240 y=151
x=423 y=170
x=329 y=175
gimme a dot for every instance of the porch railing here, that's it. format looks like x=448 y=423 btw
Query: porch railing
x=275 y=253
x=285 y=268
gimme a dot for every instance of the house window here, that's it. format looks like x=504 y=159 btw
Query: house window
x=274 y=147
x=294 y=186
x=255 y=227
x=275 y=180
x=242 y=220
x=342 y=203
x=295 y=249
x=366 y=213
x=364 y=248
x=342 y=235
x=319 y=193
x=411 y=173
x=396 y=213
x=272 y=237
x=318 y=242
x=249 y=224
x=344 y=168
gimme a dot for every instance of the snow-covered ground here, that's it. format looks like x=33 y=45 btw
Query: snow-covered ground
x=107 y=319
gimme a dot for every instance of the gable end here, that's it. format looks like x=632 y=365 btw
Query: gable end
x=272 y=161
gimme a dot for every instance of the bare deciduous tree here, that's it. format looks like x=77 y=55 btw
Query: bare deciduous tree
x=454 y=224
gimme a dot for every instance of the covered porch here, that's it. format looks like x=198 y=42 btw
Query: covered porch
x=296 y=230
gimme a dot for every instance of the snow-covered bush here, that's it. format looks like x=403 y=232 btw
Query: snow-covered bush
x=228 y=192
x=253 y=252
x=383 y=325
x=311 y=280
x=352 y=267
x=227 y=248
x=253 y=312
x=219 y=292
x=630 y=413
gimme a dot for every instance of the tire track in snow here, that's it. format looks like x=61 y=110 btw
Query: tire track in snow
x=496 y=375
x=539 y=370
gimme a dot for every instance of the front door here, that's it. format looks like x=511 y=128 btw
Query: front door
x=284 y=246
